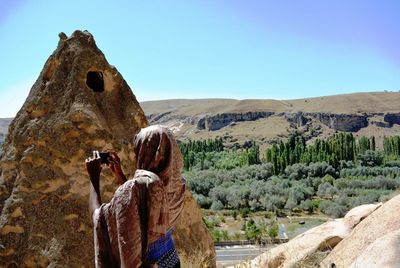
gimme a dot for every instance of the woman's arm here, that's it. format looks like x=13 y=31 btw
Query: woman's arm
x=93 y=166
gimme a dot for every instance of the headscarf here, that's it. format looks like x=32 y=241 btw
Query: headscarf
x=158 y=152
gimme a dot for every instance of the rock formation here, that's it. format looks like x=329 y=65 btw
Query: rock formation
x=343 y=122
x=297 y=119
x=78 y=103
x=383 y=252
x=375 y=241
x=320 y=238
x=215 y=122
x=392 y=118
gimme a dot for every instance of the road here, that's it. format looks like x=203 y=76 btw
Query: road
x=236 y=254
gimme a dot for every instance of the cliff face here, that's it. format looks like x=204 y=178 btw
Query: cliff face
x=241 y=123
x=392 y=118
x=215 y=122
x=79 y=103
x=210 y=122
x=342 y=122
x=339 y=122
x=297 y=119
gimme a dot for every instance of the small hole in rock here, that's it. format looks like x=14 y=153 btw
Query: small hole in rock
x=95 y=81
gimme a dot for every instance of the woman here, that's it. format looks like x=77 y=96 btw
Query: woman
x=134 y=229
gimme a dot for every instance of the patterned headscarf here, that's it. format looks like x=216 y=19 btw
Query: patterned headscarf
x=157 y=151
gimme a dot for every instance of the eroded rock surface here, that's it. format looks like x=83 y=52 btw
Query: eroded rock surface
x=392 y=118
x=215 y=122
x=320 y=238
x=378 y=231
x=343 y=122
x=78 y=103
x=383 y=252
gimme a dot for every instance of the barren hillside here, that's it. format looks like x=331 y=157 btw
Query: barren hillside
x=373 y=102
x=266 y=121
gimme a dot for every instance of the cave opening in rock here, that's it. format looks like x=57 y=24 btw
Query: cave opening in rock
x=95 y=81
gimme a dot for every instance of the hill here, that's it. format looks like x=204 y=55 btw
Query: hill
x=373 y=102
x=267 y=121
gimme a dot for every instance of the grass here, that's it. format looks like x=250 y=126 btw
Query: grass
x=196 y=259
x=344 y=103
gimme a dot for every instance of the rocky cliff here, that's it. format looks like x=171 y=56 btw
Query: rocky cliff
x=266 y=127
x=210 y=122
x=215 y=122
x=342 y=122
x=78 y=103
x=392 y=118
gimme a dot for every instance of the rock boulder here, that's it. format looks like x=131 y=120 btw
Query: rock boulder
x=78 y=103
x=380 y=230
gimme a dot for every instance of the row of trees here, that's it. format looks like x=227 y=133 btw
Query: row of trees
x=210 y=154
x=340 y=147
x=191 y=149
x=391 y=145
x=210 y=145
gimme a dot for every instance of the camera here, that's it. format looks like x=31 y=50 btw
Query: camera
x=104 y=157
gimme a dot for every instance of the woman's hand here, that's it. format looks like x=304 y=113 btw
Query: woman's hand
x=115 y=165
x=93 y=167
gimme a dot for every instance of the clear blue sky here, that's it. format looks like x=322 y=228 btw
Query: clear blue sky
x=209 y=48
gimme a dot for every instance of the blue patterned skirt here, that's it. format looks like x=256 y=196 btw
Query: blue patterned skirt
x=163 y=252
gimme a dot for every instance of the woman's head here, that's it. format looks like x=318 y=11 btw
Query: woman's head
x=157 y=151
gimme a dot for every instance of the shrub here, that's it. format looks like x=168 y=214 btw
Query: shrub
x=273 y=231
x=371 y=158
x=217 y=235
x=392 y=163
x=320 y=169
x=290 y=203
x=307 y=205
x=204 y=202
x=326 y=190
x=224 y=235
x=244 y=212
x=235 y=213
x=217 y=205
x=335 y=210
